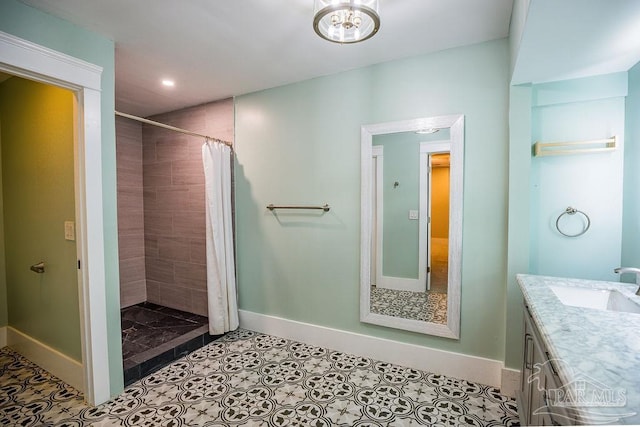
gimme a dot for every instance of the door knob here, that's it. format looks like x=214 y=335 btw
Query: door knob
x=38 y=268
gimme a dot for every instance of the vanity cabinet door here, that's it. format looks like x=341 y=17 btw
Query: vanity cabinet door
x=537 y=378
x=537 y=386
x=524 y=398
x=557 y=416
x=529 y=398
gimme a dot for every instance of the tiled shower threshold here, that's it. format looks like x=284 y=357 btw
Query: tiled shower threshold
x=153 y=336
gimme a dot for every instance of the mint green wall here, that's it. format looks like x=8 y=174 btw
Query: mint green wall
x=41 y=28
x=631 y=201
x=38 y=190
x=540 y=188
x=519 y=223
x=578 y=110
x=300 y=143
x=400 y=234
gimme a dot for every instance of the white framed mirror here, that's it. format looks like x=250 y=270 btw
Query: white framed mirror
x=411 y=224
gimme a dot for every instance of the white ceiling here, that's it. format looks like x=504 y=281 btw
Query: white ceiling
x=578 y=38
x=215 y=49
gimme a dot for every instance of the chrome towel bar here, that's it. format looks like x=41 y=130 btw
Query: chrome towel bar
x=324 y=207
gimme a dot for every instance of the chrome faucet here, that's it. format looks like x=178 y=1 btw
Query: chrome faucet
x=636 y=271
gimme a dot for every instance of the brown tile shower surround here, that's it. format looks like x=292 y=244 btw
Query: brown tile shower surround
x=133 y=286
x=174 y=207
x=161 y=235
x=161 y=209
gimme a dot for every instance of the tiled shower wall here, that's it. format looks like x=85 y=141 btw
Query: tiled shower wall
x=133 y=288
x=174 y=208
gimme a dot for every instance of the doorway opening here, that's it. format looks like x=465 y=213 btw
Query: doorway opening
x=37 y=63
x=38 y=218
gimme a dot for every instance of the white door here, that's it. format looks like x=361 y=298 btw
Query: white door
x=376 y=215
x=428 y=219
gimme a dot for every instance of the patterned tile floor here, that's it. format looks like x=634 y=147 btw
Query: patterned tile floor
x=426 y=306
x=252 y=379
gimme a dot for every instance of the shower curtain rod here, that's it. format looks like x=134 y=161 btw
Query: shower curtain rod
x=173 y=128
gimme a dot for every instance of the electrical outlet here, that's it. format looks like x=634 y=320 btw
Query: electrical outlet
x=413 y=214
x=69 y=230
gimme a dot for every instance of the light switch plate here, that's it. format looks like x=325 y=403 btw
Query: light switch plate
x=413 y=214
x=69 y=230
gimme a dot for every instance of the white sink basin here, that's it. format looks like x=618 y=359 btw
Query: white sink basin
x=600 y=299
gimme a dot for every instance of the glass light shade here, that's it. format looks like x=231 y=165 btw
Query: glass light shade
x=346 y=21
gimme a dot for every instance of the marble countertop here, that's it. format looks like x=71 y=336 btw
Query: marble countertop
x=596 y=352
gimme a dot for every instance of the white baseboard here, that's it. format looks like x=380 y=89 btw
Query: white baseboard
x=510 y=382
x=402 y=284
x=462 y=366
x=3 y=336
x=56 y=363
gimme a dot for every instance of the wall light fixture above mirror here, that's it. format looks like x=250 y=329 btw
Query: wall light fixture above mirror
x=411 y=224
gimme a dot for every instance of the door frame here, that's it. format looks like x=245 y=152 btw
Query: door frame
x=34 y=62
x=424 y=228
x=377 y=156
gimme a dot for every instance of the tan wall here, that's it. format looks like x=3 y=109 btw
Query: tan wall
x=38 y=192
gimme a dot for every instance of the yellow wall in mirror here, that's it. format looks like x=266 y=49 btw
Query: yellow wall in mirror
x=440 y=201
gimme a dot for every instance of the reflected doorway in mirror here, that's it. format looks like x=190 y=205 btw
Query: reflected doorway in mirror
x=439 y=264
x=438 y=238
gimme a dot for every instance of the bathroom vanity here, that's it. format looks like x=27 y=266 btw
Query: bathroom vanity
x=581 y=358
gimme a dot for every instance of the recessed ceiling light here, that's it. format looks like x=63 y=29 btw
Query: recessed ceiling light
x=168 y=83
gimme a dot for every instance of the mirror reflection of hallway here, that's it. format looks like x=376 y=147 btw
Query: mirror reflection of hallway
x=410 y=184
x=439 y=239
x=411 y=240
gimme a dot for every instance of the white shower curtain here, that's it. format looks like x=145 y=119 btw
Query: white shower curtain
x=221 y=277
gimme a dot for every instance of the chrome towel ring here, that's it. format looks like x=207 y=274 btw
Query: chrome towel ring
x=573 y=211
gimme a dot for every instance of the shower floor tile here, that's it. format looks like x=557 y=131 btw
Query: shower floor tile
x=153 y=336
x=149 y=325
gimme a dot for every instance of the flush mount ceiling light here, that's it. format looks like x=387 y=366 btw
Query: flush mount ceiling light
x=168 y=83
x=346 y=21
